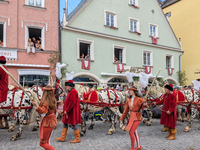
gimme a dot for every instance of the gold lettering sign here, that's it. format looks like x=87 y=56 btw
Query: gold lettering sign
x=135 y=69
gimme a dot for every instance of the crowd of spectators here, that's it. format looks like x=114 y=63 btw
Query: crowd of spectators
x=34 y=44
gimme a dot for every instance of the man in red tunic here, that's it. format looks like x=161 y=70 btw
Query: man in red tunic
x=72 y=113
x=168 y=116
x=3 y=90
x=3 y=81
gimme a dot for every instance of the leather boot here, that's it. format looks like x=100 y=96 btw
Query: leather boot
x=7 y=125
x=172 y=137
x=188 y=117
x=169 y=134
x=64 y=134
x=77 y=137
x=164 y=129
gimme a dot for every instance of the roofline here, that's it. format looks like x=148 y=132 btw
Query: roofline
x=171 y=4
x=121 y=38
x=72 y=19
x=169 y=24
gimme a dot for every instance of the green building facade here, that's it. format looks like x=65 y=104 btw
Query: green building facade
x=132 y=33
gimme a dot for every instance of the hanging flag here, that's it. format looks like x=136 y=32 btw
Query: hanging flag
x=86 y=64
x=154 y=40
x=120 y=67
x=148 y=69
x=170 y=71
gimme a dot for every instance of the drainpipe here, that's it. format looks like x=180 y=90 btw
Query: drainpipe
x=180 y=60
x=59 y=32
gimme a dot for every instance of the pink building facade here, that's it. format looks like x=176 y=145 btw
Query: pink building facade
x=19 y=21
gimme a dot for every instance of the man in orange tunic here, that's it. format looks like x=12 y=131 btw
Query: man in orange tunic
x=168 y=116
x=72 y=113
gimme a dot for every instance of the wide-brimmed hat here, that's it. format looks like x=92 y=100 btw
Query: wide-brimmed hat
x=2 y=60
x=49 y=88
x=169 y=87
x=70 y=83
x=133 y=88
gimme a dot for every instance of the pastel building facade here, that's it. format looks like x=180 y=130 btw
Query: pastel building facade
x=119 y=36
x=19 y=21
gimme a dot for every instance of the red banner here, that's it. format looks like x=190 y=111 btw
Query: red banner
x=148 y=69
x=154 y=40
x=86 y=64
x=120 y=67
x=170 y=71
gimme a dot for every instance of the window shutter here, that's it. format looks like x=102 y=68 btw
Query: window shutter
x=124 y=55
x=136 y=2
x=43 y=1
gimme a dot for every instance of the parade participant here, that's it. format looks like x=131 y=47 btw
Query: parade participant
x=168 y=116
x=72 y=113
x=60 y=109
x=134 y=105
x=47 y=109
x=3 y=81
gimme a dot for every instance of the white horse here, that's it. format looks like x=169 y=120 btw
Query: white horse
x=115 y=96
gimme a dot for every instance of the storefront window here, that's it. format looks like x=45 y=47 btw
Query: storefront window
x=113 y=82
x=90 y=82
x=30 y=80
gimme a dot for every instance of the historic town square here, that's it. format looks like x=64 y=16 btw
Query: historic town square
x=99 y=75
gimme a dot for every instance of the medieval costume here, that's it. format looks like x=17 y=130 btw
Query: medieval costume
x=3 y=90
x=72 y=113
x=134 y=105
x=48 y=120
x=3 y=81
x=169 y=120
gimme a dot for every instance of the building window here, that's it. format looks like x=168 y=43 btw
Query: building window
x=169 y=61
x=110 y=19
x=30 y=80
x=119 y=54
x=134 y=25
x=85 y=49
x=147 y=58
x=2 y=34
x=36 y=35
x=153 y=30
x=38 y=3
x=134 y=2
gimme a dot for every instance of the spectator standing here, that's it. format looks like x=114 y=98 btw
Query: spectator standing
x=1 y=43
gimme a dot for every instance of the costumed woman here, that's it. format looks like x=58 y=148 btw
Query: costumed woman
x=47 y=109
x=3 y=90
x=168 y=116
x=134 y=104
x=72 y=113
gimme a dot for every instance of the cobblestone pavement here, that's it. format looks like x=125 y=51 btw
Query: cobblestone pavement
x=151 y=138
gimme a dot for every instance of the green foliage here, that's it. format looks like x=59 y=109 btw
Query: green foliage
x=64 y=71
x=160 y=81
x=135 y=78
x=182 y=77
x=53 y=59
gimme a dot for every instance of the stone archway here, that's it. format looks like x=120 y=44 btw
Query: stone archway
x=171 y=80
x=112 y=81
x=86 y=78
